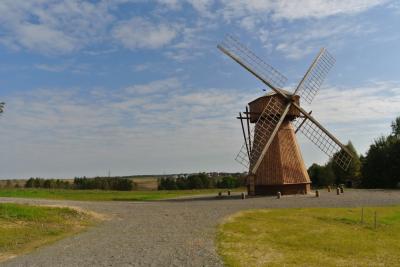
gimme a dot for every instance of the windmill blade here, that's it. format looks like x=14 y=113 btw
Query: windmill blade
x=242 y=157
x=315 y=76
x=323 y=139
x=263 y=133
x=252 y=63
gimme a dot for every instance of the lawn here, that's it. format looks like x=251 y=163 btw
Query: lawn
x=24 y=228
x=311 y=237
x=103 y=195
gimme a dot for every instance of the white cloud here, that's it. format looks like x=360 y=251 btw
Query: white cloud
x=171 y=4
x=52 y=27
x=288 y=9
x=373 y=102
x=158 y=86
x=299 y=43
x=141 y=33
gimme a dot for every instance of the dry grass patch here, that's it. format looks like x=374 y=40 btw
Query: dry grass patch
x=24 y=227
x=311 y=237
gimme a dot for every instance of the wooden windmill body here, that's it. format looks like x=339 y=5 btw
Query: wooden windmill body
x=282 y=168
x=270 y=151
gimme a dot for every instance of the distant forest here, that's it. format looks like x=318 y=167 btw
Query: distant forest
x=379 y=168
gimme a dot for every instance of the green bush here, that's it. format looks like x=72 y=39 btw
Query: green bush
x=103 y=183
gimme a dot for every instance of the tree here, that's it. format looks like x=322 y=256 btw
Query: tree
x=381 y=165
x=353 y=172
x=396 y=128
x=321 y=175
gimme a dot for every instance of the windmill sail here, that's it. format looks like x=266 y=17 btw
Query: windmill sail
x=252 y=63
x=315 y=75
x=324 y=140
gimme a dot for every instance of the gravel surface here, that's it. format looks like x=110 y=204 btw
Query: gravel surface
x=177 y=232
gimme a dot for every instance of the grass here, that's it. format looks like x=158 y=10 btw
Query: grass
x=102 y=195
x=24 y=228
x=311 y=237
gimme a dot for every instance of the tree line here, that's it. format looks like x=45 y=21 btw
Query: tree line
x=379 y=168
x=200 y=181
x=103 y=183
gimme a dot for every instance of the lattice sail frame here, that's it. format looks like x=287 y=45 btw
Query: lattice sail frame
x=323 y=142
x=315 y=76
x=245 y=57
x=261 y=132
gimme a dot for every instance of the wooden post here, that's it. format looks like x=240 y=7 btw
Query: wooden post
x=338 y=191
x=248 y=126
x=341 y=189
x=362 y=215
x=329 y=188
x=219 y=193
x=229 y=192
x=316 y=193
x=251 y=185
x=278 y=195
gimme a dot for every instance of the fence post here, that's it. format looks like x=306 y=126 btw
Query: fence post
x=362 y=215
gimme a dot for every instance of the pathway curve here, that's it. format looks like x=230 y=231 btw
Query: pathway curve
x=168 y=233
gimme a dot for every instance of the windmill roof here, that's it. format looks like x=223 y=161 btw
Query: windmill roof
x=272 y=93
x=281 y=90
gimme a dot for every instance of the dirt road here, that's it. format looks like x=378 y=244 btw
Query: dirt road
x=168 y=233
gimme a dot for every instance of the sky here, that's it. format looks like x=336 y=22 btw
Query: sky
x=139 y=87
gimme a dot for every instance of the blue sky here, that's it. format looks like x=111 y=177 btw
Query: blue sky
x=138 y=87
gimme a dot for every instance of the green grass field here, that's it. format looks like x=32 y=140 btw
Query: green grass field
x=23 y=227
x=311 y=237
x=102 y=195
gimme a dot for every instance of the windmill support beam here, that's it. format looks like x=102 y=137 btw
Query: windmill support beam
x=248 y=128
x=301 y=124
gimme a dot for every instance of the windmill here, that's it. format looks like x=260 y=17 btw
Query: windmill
x=1 y=107
x=270 y=151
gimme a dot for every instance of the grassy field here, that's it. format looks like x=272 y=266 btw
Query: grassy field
x=102 y=195
x=311 y=237
x=24 y=228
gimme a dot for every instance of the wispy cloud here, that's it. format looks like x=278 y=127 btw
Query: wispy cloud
x=52 y=27
x=141 y=33
x=291 y=10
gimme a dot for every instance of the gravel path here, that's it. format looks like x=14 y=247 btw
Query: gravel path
x=169 y=233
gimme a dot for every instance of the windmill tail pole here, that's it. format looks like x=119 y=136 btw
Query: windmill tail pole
x=244 y=133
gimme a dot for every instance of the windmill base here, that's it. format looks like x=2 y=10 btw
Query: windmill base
x=286 y=189
x=282 y=168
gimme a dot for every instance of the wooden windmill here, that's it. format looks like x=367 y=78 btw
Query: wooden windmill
x=270 y=151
